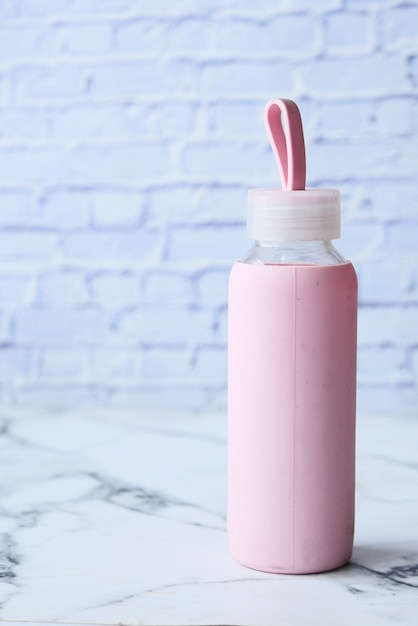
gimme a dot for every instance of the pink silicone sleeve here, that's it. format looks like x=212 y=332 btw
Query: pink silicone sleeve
x=291 y=416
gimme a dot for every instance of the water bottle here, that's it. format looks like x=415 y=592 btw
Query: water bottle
x=292 y=344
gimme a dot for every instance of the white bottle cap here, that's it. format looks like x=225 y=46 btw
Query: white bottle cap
x=293 y=215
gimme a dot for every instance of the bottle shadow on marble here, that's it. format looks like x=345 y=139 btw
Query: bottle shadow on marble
x=397 y=563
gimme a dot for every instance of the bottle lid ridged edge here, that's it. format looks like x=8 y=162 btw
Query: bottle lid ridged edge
x=301 y=215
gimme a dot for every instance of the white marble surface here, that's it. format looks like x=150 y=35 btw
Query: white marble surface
x=119 y=518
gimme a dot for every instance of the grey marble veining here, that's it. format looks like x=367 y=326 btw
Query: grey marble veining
x=119 y=518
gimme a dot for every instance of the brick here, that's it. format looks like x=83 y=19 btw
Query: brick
x=167 y=287
x=218 y=398
x=115 y=289
x=64 y=208
x=60 y=326
x=143 y=77
x=5 y=90
x=20 y=42
x=159 y=8
x=14 y=363
x=236 y=36
x=393 y=199
x=64 y=364
x=35 y=10
x=7 y=394
x=7 y=326
x=360 y=239
x=412 y=285
x=190 y=35
x=356 y=201
x=41 y=9
x=339 y=159
x=221 y=325
x=79 y=39
x=345 y=119
x=349 y=33
x=84 y=164
x=115 y=208
x=185 y=397
x=173 y=119
x=399 y=32
x=180 y=204
x=290 y=36
x=359 y=4
x=226 y=160
x=211 y=365
x=386 y=282
x=15 y=289
x=223 y=203
x=388 y=399
x=283 y=5
x=112 y=244
x=27 y=245
x=233 y=78
x=62 y=286
x=212 y=286
x=172 y=204
x=110 y=364
x=402 y=237
x=32 y=164
x=95 y=7
x=414 y=363
x=40 y=41
x=413 y=70
x=141 y=35
x=207 y=242
x=57 y=396
x=396 y=116
x=50 y=82
x=163 y=363
x=8 y=10
x=230 y=118
x=25 y=123
x=322 y=5
x=167 y=326
x=88 y=121
x=372 y=75
x=16 y=207
x=397 y=327
x=121 y=161
x=382 y=365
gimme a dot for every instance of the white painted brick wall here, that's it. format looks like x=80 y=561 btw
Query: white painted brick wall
x=129 y=133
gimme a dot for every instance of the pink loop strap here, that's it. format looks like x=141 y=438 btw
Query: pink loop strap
x=284 y=129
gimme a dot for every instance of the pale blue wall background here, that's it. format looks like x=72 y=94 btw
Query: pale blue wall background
x=129 y=133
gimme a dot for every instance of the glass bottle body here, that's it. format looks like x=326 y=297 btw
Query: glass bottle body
x=293 y=253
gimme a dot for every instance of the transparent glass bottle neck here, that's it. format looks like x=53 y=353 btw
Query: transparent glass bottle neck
x=293 y=253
